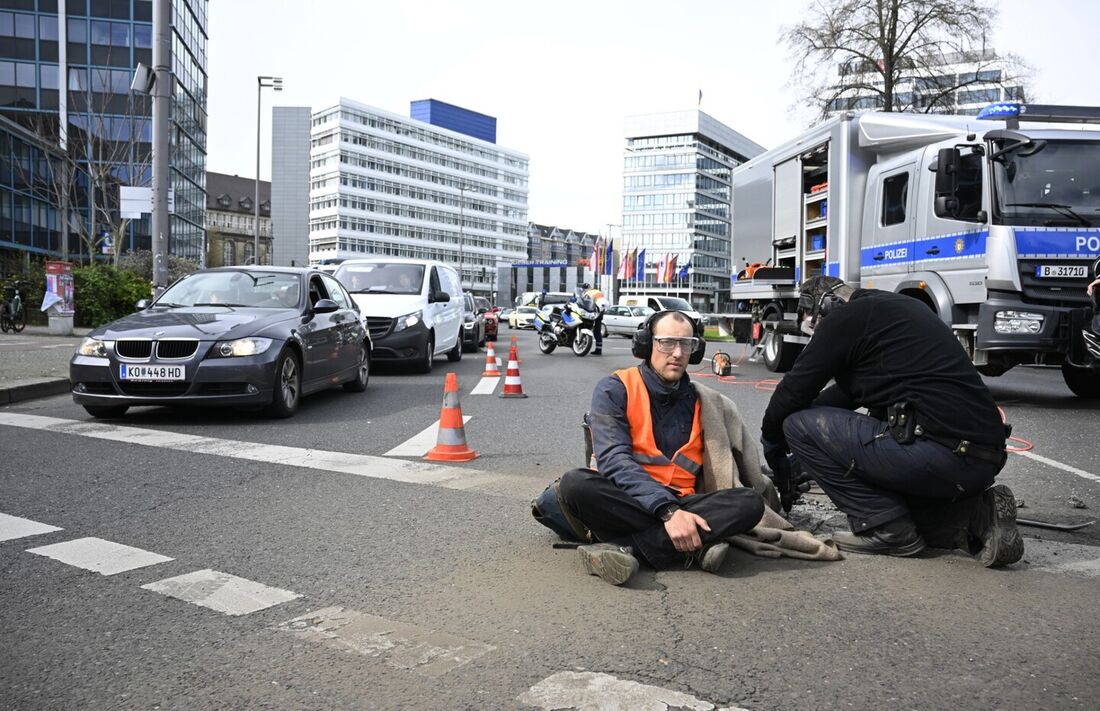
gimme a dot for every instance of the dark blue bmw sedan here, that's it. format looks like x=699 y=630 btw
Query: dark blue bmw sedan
x=249 y=336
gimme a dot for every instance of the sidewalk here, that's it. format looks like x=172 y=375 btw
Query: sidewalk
x=34 y=364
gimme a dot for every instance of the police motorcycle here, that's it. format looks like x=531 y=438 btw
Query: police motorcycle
x=568 y=325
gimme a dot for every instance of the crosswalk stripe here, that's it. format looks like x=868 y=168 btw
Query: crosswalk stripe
x=419 y=444
x=413 y=472
x=486 y=386
x=221 y=592
x=99 y=556
x=428 y=652
x=592 y=691
x=12 y=527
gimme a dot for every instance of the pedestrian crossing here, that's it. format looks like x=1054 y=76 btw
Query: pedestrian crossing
x=99 y=556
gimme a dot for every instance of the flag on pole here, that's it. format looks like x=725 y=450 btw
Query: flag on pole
x=595 y=261
x=683 y=272
x=662 y=263
x=670 y=268
x=624 y=262
x=609 y=260
x=631 y=260
x=640 y=265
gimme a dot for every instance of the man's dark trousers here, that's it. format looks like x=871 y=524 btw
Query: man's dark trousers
x=614 y=516
x=873 y=478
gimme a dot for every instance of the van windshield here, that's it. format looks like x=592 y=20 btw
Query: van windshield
x=674 y=304
x=381 y=277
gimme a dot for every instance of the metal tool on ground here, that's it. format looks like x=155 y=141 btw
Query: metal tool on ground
x=451 y=442
x=513 y=387
x=492 y=370
x=1053 y=526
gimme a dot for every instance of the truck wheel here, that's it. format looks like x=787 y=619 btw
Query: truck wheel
x=1084 y=382
x=778 y=355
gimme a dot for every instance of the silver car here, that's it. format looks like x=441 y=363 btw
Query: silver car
x=624 y=320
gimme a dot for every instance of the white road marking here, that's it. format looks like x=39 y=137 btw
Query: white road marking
x=418 y=445
x=1064 y=558
x=415 y=472
x=486 y=386
x=1064 y=467
x=400 y=645
x=12 y=527
x=221 y=592
x=590 y=691
x=99 y=556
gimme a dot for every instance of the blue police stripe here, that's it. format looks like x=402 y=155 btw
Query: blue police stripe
x=960 y=245
x=1054 y=242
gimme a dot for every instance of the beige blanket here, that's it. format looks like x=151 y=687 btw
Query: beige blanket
x=731 y=458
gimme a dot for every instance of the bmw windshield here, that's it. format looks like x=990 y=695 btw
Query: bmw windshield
x=1046 y=183
x=231 y=289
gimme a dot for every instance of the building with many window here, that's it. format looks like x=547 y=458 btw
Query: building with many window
x=677 y=204
x=231 y=220
x=70 y=63
x=554 y=262
x=964 y=84
x=438 y=188
x=290 y=185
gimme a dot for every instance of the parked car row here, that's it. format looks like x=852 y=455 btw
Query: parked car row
x=266 y=336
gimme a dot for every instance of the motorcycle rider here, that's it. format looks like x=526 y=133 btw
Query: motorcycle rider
x=600 y=303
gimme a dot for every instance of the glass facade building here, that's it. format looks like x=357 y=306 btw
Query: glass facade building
x=677 y=202
x=71 y=63
x=385 y=184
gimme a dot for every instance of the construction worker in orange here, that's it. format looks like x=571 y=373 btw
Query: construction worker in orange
x=451 y=442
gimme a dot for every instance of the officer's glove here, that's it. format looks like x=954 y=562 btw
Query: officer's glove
x=782 y=473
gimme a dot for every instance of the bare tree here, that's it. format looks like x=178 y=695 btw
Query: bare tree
x=107 y=147
x=847 y=50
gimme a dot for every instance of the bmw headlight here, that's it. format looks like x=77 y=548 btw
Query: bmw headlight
x=407 y=321
x=94 y=347
x=243 y=347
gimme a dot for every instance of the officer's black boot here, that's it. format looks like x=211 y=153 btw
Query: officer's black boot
x=897 y=538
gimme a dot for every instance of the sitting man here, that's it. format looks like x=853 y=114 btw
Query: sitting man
x=920 y=466
x=655 y=461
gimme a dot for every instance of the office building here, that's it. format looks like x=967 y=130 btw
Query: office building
x=554 y=262
x=290 y=185
x=965 y=83
x=677 y=205
x=382 y=184
x=231 y=220
x=76 y=72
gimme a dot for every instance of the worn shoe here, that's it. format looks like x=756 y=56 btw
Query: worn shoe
x=714 y=556
x=615 y=564
x=994 y=526
x=897 y=538
x=597 y=351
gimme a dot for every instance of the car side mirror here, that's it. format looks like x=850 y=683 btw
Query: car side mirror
x=142 y=304
x=325 y=306
x=439 y=297
x=482 y=311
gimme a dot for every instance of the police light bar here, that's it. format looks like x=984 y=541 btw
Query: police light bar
x=1050 y=113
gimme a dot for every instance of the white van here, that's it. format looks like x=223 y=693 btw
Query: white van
x=412 y=307
x=658 y=302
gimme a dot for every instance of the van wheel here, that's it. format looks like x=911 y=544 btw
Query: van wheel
x=428 y=358
x=778 y=355
x=455 y=354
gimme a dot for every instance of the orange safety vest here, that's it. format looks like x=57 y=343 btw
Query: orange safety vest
x=680 y=472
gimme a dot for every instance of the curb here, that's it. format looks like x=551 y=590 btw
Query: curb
x=33 y=391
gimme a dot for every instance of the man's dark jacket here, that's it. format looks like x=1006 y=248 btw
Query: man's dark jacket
x=882 y=348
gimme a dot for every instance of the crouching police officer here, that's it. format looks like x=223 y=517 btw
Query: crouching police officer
x=919 y=468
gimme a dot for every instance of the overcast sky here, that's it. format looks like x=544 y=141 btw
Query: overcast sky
x=559 y=76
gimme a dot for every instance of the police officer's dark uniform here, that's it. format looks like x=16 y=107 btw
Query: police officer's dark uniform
x=924 y=458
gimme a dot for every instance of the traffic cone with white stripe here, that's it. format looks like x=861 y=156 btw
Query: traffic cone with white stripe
x=516 y=349
x=492 y=370
x=512 y=385
x=451 y=443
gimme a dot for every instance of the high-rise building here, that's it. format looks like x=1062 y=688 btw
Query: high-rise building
x=70 y=64
x=964 y=83
x=290 y=185
x=677 y=204
x=385 y=184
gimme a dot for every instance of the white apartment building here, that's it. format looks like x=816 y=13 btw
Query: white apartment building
x=677 y=203
x=381 y=184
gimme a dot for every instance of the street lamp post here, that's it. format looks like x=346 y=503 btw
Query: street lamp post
x=275 y=83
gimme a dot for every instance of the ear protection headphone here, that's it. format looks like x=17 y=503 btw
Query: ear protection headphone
x=641 y=345
x=820 y=306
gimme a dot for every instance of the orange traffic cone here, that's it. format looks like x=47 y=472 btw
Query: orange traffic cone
x=451 y=443
x=492 y=370
x=512 y=385
x=517 y=351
